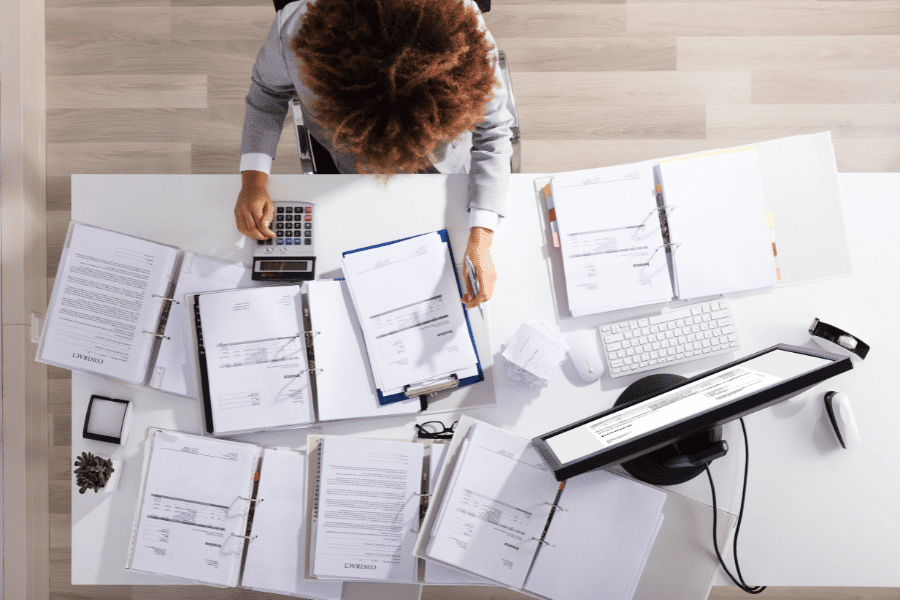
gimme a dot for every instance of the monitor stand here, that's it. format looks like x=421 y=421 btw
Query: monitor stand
x=680 y=461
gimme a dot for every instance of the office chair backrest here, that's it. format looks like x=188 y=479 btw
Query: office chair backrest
x=484 y=5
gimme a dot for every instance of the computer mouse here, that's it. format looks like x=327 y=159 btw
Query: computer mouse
x=841 y=415
x=584 y=355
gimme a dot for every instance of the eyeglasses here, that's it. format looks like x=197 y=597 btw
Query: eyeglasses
x=435 y=430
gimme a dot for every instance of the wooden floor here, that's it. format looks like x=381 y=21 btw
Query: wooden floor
x=158 y=86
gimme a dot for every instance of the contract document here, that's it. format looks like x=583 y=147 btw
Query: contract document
x=107 y=301
x=256 y=361
x=611 y=238
x=409 y=305
x=492 y=516
x=192 y=508
x=366 y=510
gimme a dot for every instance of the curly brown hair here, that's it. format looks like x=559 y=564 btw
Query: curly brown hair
x=394 y=78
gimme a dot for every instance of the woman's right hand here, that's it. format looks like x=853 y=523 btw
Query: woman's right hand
x=253 y=211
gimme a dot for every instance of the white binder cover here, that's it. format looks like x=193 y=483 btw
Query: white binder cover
x=276 y=555
x=717 y=223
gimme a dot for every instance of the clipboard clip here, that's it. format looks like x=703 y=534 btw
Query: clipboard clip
x=431 y=386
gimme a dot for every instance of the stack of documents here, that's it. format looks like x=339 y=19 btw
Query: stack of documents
x=407 y=298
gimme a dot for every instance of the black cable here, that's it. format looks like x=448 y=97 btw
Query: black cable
x=742 y=584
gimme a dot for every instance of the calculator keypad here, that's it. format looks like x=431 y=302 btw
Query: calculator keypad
x=293 y=226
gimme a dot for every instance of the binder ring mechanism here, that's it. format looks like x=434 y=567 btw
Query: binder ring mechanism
x=308 y=333
x=668 y=247
x=159 y=335
x=543 y=542
x=656 y=210
x=423 y=495
x=164 y=298
x=251 y=499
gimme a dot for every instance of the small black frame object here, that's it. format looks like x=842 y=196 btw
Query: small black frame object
x=87 y=419
x=739 y=407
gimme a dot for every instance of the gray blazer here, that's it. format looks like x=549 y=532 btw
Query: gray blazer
x=484 y=153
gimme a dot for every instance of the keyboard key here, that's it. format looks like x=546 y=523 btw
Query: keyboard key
x=643 y=322
x=719 y=314
x=614 y=337
x=695 y=310
x=604 y=328
x=633 y=324
x=705 y=308
x=613 y=346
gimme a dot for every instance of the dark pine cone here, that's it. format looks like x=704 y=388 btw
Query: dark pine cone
x=93 y=472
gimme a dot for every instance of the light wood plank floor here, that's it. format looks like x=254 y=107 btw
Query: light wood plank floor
x=157 y=86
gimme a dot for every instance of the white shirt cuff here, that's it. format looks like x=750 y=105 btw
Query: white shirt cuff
x=256 y=161
x=481 y=217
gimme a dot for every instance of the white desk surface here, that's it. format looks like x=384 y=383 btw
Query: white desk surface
x=815 y=514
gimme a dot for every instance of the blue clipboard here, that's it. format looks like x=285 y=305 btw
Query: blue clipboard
x=464 y=381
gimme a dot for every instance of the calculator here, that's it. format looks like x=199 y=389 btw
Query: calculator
x=291 y=254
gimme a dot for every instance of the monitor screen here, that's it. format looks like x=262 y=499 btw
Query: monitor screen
x=702 y=402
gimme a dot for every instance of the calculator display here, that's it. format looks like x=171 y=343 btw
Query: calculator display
x=282 y=265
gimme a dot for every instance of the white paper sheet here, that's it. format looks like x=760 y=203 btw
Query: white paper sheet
x=438 y=573
x=345 y=388
x=277 y=554
x=719 y=221
x=600 y=543
x=368 y=509
x=610 y=238
x=104 y=303
x=495 y=507
x=192 y=509
x=256 y=361
x=174 y=368
x=408 y=302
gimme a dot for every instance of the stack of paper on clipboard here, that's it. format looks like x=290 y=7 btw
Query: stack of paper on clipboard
x=654 y=231
x=288 y=356
x=417 y=333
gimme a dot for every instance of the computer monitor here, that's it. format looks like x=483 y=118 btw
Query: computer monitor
x=692 y=406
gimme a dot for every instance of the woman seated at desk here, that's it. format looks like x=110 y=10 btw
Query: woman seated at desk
x=388 y=86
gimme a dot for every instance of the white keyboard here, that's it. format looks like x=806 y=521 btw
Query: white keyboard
x=668 y=338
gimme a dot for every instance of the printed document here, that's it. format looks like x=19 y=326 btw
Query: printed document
x=192 y=508
x=345 y=388
x=256 y=358
x=367 y=509
x=408 y=302
x=610 y=238
x=495 y=507
x=105 y=305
